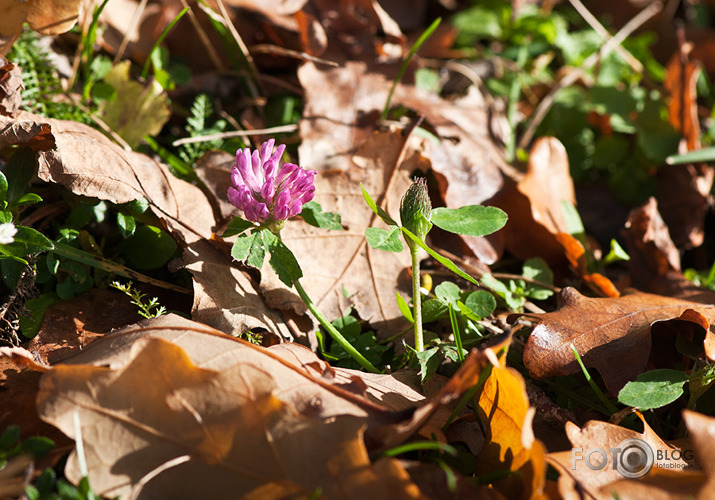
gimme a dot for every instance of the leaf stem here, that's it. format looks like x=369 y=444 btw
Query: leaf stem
x=611 y=407
x=337 y=336
x=417 y=298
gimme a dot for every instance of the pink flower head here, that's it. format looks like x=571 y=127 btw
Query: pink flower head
x=265 y=190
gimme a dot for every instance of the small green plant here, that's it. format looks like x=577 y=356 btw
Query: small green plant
x=197 y=125
x=417 y=218
x=43 y=93
x=150 y=309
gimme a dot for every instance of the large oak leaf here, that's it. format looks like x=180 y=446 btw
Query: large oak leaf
x=231 y=419
x=611 y=335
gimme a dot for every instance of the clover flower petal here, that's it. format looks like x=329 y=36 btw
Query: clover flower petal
x=266 y=191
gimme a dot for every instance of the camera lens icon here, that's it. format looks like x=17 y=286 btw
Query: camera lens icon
x=635 y=458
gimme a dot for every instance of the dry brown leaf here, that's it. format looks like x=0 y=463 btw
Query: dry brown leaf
x=10 y=87
x=86 y=162
x=577 y=478
x=684 y=190
x=533 y=205
x=48 y=17
x=655 y=260
x=248 y=423
x=701 y=429
x=510 y=443
x=603 y=331
x=180 y=409
x=344 y=104
x=224 y=297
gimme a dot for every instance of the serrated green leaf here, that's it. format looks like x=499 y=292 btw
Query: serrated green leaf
x=282 y=259
x=237 y=226
x=653 y=389
x=442 y=260
x=378 y=211
x=471 y=220
x=384 y=239
x=313 y=214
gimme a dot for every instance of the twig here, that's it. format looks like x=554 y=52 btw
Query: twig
x=210 y=49
x=244 y=50
x=295 y=54
x=603 y=33
x=237 y=133
x=571 y=77
x=132 y=24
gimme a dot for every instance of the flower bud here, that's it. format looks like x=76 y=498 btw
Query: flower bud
x=415 y=209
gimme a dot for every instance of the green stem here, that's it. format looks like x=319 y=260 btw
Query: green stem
x=337 y=336
x=455 y=331
x=145 y=69
x=607 y=402
x=406 y=62
x=417 y=298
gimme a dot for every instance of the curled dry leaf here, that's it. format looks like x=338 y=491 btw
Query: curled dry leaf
x=667 y=479
x=48 y=17
x=533 y=204
x=10 y=87
x=606 y=332
x=684 y=190
x=86 y=162
x=224 y=297
x=510 y=443
x=171 y=408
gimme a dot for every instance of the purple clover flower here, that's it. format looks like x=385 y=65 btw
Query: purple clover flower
x=266 y=191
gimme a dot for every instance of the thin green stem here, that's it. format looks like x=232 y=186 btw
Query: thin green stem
x=417 y=298
x=512 y=111
x=337 y=336
x=406 y=62
x=607 y=402
x=455 y=331
x=145 y=70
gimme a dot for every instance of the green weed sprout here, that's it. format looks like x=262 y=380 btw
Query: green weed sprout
x=268 y=194
x=417 y=217
x=150 y=309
